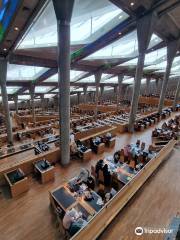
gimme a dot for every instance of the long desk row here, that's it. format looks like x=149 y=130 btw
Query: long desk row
x=96 y=214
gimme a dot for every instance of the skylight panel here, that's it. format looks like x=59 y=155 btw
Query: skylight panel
x=22 y=72
x=11 y=90
x=42 y=89
x=90 y=20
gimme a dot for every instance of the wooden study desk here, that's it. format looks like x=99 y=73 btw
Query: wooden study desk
x=47 y=174
x=62 y=197
x=17 y=182
x=25 y=161
x=84 y=136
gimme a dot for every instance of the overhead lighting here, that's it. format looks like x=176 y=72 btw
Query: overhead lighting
x=16 y=29
x=132 y=3
x=120 y=33
x=5 y=49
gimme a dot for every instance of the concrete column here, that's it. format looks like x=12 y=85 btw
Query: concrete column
x=120 y=79
x=16 y=103
x=85 y=94
x=157 y=86
x=176 y=98
x=63 y=11
x=78 y=98
x=42 y=103
x=97 y=81
x=148 y=81
x=56 y=103
x=171 y=52
x=3 y=75
x=32 y=94
x=144 y=32
x=101 y=94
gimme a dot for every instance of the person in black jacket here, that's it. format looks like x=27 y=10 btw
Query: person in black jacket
x=99 y=166
x=107 y=176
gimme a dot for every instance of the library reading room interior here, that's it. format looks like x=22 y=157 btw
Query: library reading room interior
x=90 y=119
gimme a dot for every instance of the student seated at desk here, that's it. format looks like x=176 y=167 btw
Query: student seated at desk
x=70 y=217
x=94 y=143
x=116 y=157
x=164 y=126
x=90 y=183
x=77 y=225
x=42 y=146
x=83 y=176
x=107 y=137
x=151 y=153
x=81 y=148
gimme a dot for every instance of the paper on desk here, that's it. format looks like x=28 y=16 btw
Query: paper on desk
x=99 y=201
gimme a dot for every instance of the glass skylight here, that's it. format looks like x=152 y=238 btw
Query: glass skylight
x=21 y=72
x=128 y=81
x=49 y=95
x=127 y=46
x=90 y=20
x=73 y=76
x=11 y=90
x=110 y=80
x=93 y=89
x=90 y=79
x=24 y=97
x=76 y=89
x=42 y=89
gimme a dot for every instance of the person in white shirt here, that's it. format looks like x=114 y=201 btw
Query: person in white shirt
x=69 y=218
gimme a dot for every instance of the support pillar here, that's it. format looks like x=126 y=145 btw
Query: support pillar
x=120 y=79
x=176 y=98
x=148 y=81
x=63 y=11
x=16 y=103
x=3 y=75
x=171 y=52
x=85 y=94
x=78 y=98
x=101 y=94
x=97 y=81
x=144 y=32
x=32 y=94
x=42 y=103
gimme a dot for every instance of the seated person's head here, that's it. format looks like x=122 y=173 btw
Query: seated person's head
x=138 y=143
x=108 y=196
x=105 y=168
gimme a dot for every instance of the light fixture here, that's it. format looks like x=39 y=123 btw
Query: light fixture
x=5 y=49
x=132 y=3
x=120 y=33
x=16 y=29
